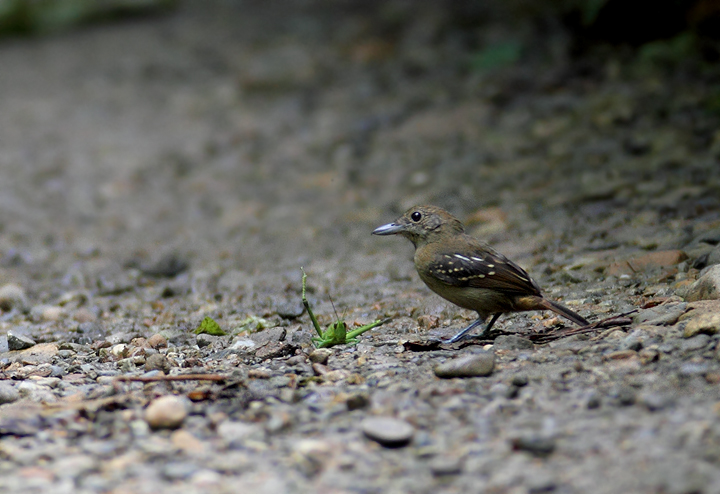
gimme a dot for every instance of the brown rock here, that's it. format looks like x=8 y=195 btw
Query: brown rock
x=707 y=287
x=708 y=323
x=660 y=259
x=157 y=341
x=167 y=412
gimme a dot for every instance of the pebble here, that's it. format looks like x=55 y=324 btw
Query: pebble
x=12 y=296
x=320 y=355
x=695 y=342
x=662 y=315
x=708 y=323
x=536 y=444
x=159 y=362
x=357 y=401
x=707 y=287
x=157 y=341
x=520 y=379
x=290 y=310
x=235 y=433
x=167 y=412
x=387 y=431
x=8 y=393
x=444 y=465
x=18 y=341
x=513 y=342
x=473 y=365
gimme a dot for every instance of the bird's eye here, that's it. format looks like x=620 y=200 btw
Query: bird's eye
x=416 y=216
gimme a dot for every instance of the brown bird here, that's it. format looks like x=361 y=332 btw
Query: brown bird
x=467 y=272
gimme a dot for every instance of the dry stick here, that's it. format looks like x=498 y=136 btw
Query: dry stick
x=620 y=319
x=181 y=377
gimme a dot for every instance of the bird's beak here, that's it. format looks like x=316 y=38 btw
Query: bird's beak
x=389 y=229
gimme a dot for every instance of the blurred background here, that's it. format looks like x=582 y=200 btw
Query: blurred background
x=263 y=135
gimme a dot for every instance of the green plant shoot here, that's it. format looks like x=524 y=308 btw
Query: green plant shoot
x=336 y=333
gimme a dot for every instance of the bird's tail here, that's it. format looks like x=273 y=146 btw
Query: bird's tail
x=541 y=303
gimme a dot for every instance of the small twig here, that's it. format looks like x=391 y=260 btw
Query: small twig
x=181 y=377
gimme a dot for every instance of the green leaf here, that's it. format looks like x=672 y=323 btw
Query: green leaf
x=209 y=326
x=497 y=55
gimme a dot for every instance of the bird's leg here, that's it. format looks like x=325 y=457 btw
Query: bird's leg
x=459 y=336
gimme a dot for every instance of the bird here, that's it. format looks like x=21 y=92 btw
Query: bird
x=468 y=272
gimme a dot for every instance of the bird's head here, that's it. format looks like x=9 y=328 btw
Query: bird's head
x=423 y=224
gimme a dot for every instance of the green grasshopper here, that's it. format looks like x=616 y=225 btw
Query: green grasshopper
x=336 y=333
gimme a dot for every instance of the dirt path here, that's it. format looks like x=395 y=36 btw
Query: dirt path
x=155 y=172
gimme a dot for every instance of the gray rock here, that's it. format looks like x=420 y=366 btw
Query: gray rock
x=520 y=379
x=473 y=365
x=444 y=466
x=12 y=296
x=661 y=315
x=388 y=431
x=654 y=401
x=8 y=393
x=18 y=341
x=215 y=342
x=269 y=335
x=512 y=342
x=695 y=342
x=357 y=401
x=707 y=287
x=320 y=355
x=235 y=433
x=290 y=310
x=536 y=444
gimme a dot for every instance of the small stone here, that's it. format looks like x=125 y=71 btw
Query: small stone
x=387 y=431
x=443 y=466
x=661 y=315
x=207 y=340
x=696 y=342
x=708 y=323
x=472 y=365
x=42 y=353
x=593 y=400
x=167 y=412
x=519 y=380
x=235 y=434
x=654 y=401
x=512 y=342
x=538 y=445
x=624 y=396
x=290 y=310
x=357 y=401
x=120 y=350
x=8 y=393
x=12 y=296
x=653 y=260
x=159 y=362
x=157 y=341
x=18 y=341
x=52 y=313
x=320 y=355
x=707 y=287
x=270 y=335
x=275 y=350
x=621 y=354
x=647 y=355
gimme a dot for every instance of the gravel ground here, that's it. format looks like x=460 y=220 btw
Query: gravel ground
x=157 y=171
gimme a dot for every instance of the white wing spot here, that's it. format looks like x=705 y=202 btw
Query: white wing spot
x=491 y=273
x=491 y=265
x=478 y=259
x=462 y=257
x=481 y=276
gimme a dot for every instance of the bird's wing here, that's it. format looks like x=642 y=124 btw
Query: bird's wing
x=481 y=268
